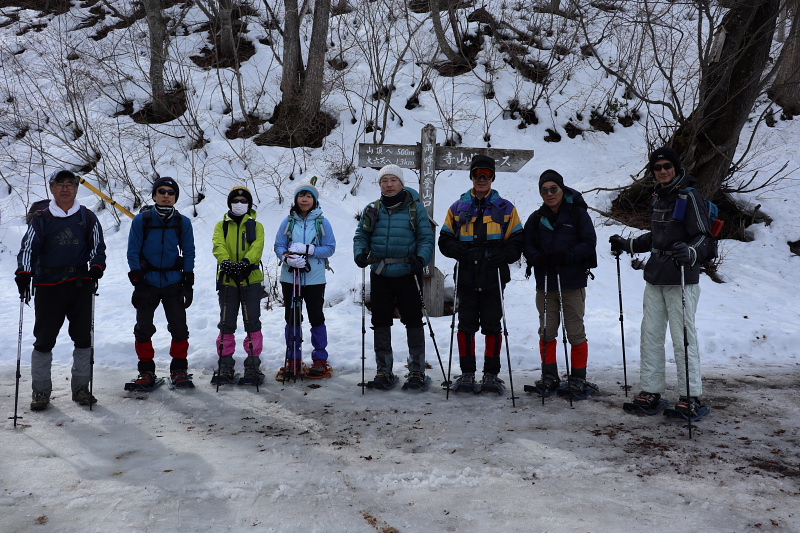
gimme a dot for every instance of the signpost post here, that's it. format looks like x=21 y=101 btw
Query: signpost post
x=428 y=157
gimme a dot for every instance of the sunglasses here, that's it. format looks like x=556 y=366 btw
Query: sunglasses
x=548 y=190
x=168 y=192
x=665 y=166
x=482 y=173
x=239 y=201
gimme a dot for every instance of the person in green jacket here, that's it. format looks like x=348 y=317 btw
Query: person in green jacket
x=238 y=244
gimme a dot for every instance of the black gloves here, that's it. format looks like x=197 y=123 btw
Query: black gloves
x=362 y=261
x=619 y=244
x=459 y=251
x=682 y=253
x=417 y=264
x=188 y=291
x=136 y=277
x=552 y=259
x=225 y=267
x=95 y=272
x=496 y=258
x=23 y=281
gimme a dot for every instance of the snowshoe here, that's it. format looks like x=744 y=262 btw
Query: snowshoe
x=83 y=396
x=465 y=383
x=688 y=409
x=320 y=370
x=180 y=379
x=146 y=382
x=383 y=381
x=292 y=372
x=646 y=403
x=226 y=377
x=491 y=383
x=251 y=377
x=578 y=388
x=547 y=386
x=417 y=381
x=40 y=401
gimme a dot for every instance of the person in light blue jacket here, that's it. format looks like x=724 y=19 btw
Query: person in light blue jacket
x=303 y=244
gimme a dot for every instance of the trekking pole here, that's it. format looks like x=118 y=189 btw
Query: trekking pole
x=622 y=327
x=686 y=345
x=363 y=325
x=430 y=328
x=563 y=329
x=221 y=344
x=452 y=329
x=248 y=338
x=505 y=332
x=91 y=348
x=19 y=358
x=544 y=335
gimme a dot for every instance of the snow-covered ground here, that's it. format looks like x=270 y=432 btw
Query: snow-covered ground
x=320 y=456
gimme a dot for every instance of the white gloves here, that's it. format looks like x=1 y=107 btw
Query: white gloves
x=300 y=248
x=296 y=261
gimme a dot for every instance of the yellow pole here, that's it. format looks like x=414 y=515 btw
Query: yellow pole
x=102 y=195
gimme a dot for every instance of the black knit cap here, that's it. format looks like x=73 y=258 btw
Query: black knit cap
x=665 y=152
x=481 y=161
x=166 y=182
x=551 y=175
x=241 y=191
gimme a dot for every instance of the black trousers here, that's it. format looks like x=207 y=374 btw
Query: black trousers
x=479 y=309
x=314 y=298
x=53 y=304
x=401 y=293
x=146 y=299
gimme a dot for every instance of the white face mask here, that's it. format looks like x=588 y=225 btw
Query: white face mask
x=239 y=209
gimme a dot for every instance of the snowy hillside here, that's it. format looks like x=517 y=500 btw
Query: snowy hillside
x=322 y=457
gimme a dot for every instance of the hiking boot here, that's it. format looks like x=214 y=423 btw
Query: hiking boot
x=180 y=375
x=83 y=396
x=688 y=406
x=384 y=378
x=415 y=379
x=146 y=379
x=40 y=401
x=293 y=370
x=491 y=379
x=647 y=400
x=319 y=370
x=254 y=373
x=226 y=375
x=578 y=386
x=548 y=383
x=467 y=378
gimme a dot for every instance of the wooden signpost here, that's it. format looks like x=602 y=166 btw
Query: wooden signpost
x=429 y=157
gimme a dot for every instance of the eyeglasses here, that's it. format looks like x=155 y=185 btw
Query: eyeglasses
x=482 y=173
x=388 y=179
x=239 y=201
x=65 y=185
x=168 y=192
x=665 y=166
x=548 y=190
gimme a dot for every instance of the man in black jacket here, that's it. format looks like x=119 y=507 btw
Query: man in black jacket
x=63 y=252
x=679 y=241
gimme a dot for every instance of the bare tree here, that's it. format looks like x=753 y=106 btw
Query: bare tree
x=457 y=57
x=157 y=26
x=785 y=90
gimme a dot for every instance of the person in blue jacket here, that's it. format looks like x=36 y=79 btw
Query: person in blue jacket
x=64 y=254
x=303 y=243
x=395 y=236
x=161 y=260
x=559 y=240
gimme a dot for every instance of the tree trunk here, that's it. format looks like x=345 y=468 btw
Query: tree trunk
x=227 y=45
x=729 y=87
x=157 y=26
x=315 y=67
x=785 y=91
x=454 y=57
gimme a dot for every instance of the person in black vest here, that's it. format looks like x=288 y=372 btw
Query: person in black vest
x=63 y=252
x=559 y=239
x=674 y=242
x=161 y=261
